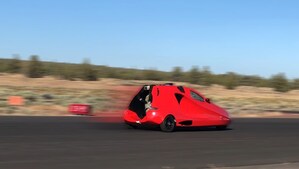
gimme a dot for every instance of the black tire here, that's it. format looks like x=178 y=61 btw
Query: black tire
x=221 y=127
x=168 y=124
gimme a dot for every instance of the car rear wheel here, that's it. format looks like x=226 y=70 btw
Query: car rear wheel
x=168 y=124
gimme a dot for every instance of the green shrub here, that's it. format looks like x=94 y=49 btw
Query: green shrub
x=231 y=81
x=14 y=65
x=88 y=72
x=34 y=68
x=177 y=74
x=280 y=83
x=193 y=75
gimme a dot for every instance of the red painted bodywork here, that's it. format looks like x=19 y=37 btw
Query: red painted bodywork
x=187 y=111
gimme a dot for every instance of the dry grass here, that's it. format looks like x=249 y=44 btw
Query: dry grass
x=113 y=95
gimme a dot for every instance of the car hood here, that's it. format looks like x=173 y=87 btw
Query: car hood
x=219 y=110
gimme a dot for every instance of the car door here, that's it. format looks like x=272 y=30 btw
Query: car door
x=195 y=108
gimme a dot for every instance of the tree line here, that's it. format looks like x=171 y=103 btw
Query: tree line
x=34 y=68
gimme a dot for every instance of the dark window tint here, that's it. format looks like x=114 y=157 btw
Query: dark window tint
x=196 y=96
x=181 y=88
x=178 y=97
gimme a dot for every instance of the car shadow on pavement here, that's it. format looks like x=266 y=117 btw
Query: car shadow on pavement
x=200 y=129
x=179 y=129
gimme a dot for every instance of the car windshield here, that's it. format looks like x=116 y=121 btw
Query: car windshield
x=196 y=96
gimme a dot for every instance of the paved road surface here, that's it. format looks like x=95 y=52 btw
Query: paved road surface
x=83 y=143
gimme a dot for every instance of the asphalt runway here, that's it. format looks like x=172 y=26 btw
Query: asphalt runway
x=86 y=143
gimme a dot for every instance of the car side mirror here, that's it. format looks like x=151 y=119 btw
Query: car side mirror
x=208 y=100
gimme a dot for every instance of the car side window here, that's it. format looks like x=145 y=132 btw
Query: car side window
x=196 y=96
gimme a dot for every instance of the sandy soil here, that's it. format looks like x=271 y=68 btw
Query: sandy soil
x=244 y=101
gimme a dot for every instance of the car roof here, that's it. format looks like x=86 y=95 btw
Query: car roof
x=166 y=85
x=182 y=89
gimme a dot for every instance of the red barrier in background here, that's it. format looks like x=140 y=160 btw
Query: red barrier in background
x=15 y=101
x=80 y=109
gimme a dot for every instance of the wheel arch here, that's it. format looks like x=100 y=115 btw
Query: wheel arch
x=168 y=115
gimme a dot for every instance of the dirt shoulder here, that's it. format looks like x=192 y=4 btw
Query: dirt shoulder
x=108 y=96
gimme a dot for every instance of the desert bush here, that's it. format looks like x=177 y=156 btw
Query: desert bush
x=88 y=72
x=35 y=68
x=279 y=82
x=193 y=75
x=295 y=84
x=14 y=65
x=47 y=96
x=152 y=74
x=206 y=77
x=11 y=109
x=177 y=74
x=230 y=80
x=3 y=102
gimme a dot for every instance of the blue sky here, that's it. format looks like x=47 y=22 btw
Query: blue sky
x=254 y=37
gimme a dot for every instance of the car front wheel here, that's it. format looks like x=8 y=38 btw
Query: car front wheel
x=168 y=124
